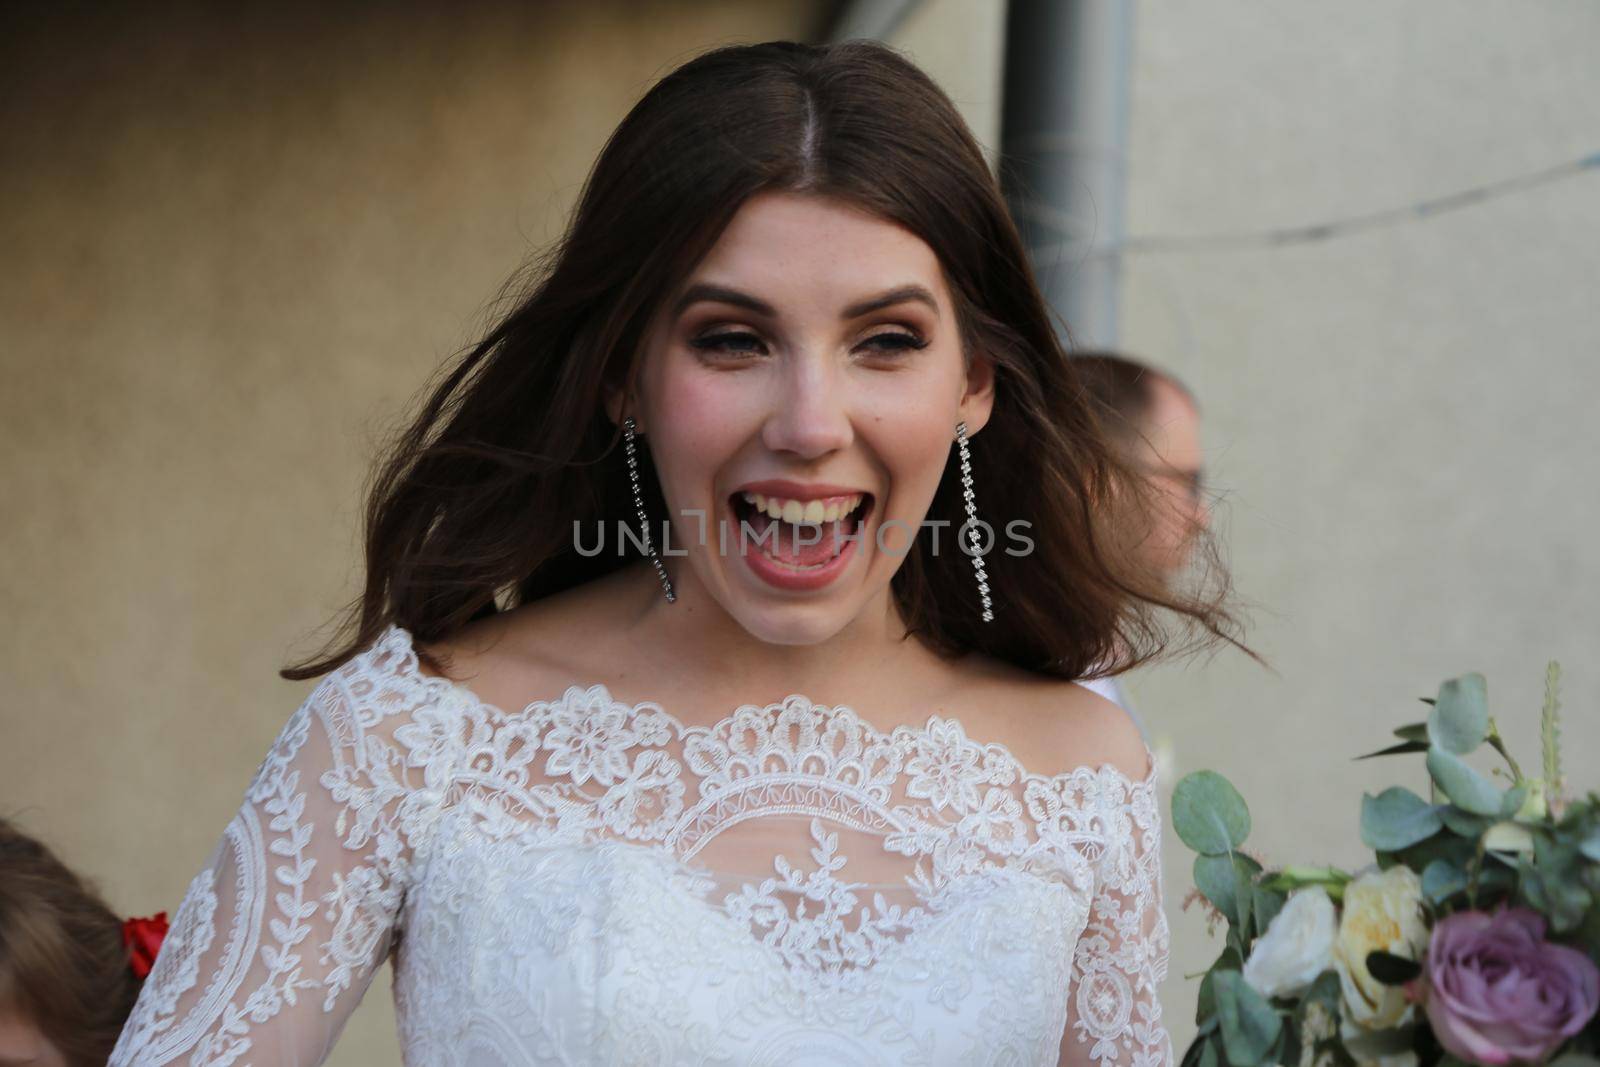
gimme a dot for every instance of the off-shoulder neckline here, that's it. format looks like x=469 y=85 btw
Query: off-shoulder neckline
x=467 y=695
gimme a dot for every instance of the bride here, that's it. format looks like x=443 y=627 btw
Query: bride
x=797 y=777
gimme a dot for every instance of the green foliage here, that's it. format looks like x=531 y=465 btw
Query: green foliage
x=1441 y=881
x=1396 y=818
x=1208 y=813
x=1402 y=749
x=1229 y=883
x=1463 y=823
x=1459 y=721
x=1474 y=845
x=1250 y=1025
x=1465 y=787
x=1206 y=1008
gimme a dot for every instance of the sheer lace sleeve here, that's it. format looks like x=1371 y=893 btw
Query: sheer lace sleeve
x=1113 y=1012
x=278 y=936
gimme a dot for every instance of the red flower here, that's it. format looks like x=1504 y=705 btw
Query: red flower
x=143 y=938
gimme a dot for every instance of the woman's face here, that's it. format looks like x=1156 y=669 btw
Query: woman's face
x=801 y=390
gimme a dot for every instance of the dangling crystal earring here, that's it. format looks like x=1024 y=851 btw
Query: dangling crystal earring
x=972 y=521
x=638 y=506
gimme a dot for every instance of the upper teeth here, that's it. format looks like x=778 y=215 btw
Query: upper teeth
x=790 y=510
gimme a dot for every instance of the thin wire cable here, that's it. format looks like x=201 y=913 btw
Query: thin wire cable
x=1323 y=231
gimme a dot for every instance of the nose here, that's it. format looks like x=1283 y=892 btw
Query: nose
x=809 y=416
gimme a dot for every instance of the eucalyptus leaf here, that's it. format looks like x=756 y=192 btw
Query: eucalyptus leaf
x=1208 y=1054
x=1287 y=1050
x=1250 y=1025
x=1441 y=846
x=1244 y=898
x=1465 y=787
x=1205 y=1004
x=1589 y=929
x=1209 y=814
x=1464 y=823
x=1531 y=884
x=1512 y=801
x=1442 y=880
x=1215 y=877
x=1326 y=988
x=1402 y=749
x=1396 y=818
x=1568 y=904
x=1494 y=881
x=1590 y=845
x=1265 y=905
x=1460 y=718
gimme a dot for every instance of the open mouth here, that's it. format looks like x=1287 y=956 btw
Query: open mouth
x=804 y=535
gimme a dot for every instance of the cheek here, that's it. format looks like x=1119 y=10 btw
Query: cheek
x=913 y=447
x=700 y=420
x=910 y=423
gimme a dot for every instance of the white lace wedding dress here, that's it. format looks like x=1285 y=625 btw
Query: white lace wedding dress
x=589 y=882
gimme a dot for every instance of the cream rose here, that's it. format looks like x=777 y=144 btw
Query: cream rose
x=1297 y=946
x=1382 y=913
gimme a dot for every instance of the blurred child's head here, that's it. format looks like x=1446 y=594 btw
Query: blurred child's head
x=66 y=985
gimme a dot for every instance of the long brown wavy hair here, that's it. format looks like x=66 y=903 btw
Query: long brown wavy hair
x=472 y=511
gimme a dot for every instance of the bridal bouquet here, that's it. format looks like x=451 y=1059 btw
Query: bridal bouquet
x=1472 y=939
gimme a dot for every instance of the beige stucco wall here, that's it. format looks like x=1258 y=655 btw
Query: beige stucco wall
x=234 y=250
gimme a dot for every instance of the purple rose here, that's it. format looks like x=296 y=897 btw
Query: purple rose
x=1498 y=992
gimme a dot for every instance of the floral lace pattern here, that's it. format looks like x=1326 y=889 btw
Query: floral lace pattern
x=587 y=881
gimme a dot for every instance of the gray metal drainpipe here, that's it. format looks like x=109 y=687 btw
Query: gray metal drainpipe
x=1063 y=152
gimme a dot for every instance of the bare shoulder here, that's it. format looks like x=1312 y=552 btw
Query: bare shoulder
x=530 y=652
x=1055 y=725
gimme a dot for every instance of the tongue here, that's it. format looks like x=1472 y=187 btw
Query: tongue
x=799 y=545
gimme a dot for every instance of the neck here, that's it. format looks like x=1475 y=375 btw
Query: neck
x=697 y=636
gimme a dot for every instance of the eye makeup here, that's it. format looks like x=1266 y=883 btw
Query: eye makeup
x=889 y=342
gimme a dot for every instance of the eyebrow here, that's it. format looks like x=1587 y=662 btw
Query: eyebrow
x=723 y=295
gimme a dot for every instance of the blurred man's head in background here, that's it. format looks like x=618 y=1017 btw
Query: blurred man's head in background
x=1155 y=421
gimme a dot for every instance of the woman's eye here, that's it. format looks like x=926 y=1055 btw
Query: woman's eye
x=728 y=342
x=896 y=342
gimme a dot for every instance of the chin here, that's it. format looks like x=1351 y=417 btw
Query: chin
x=797 y=624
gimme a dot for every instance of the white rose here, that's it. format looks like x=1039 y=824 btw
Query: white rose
x=1297 y=946
x=1382 y=913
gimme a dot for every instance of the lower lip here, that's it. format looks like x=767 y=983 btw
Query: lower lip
x=783 y=576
